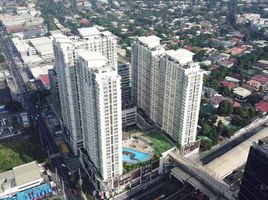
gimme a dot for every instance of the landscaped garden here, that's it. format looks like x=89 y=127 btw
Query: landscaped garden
x=159 y=142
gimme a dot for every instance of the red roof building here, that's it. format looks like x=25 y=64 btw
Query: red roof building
x=228 y=84
x=189 y=48
x=45 y=80
x=214 y=67
x=236 y=104
x=261 y=78
x=262 y=106
x=84 y=22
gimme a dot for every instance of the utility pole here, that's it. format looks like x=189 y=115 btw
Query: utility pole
x=56 y=176
x=63 y=190
x=39 y=100
x=80 y=178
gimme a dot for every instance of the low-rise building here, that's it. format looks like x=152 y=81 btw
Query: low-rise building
x=20 y=178
x=262 y=107
x=262 y=64
x=254 y=83
x=241 y=93
x=209 y=92
x=228 y=84
x=216 y=100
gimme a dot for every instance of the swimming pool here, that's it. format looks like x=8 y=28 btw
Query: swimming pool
x=133 y=156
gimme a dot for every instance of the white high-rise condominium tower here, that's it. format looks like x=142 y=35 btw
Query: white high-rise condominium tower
x=183 y=89
x=148 y=76
x=167 y=86
x=99 y=92
x=65 y=50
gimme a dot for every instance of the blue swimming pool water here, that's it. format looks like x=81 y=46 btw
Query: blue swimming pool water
x=139 y=156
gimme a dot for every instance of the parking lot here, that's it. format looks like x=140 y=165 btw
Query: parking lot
x=10 y=125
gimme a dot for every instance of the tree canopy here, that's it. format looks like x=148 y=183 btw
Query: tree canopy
x=225 y=108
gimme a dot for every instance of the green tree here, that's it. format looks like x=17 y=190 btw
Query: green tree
x=254 y=98
x=225 y=108
x=228 y=132
x=205 y=145
x=226 y=91
x=215 y=84
x=2 y=58
x=239 y=121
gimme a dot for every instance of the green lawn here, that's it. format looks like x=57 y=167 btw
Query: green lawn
x=160 y=142
x=19 y=150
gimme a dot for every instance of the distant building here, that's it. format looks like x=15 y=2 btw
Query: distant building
x=254 y=185
x=129 y=111
x=124 y=70
x=20 y=22
x=263 y=64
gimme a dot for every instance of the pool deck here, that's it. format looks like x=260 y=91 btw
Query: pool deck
x=139 y=144
x=139 y=156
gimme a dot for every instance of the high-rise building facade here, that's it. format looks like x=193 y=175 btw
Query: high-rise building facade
x=183 y=89
x=65 y=50
x=167 y=86
x=99 y=92
x=124 y=70
x=148 y=76
x=65 y=65
x=54 y=91
x=254 y=185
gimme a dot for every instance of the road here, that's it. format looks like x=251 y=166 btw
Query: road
x=35 y=112
x=168 y=189
x=230 y=145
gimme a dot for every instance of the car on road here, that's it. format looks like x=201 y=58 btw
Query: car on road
x=74 y=190
x=160 y=197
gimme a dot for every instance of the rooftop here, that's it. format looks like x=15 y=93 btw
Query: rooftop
x=45 y=80
x=19 y=175
x=181 y=55
x=216 y=100
x=26 y=173
x=90 y=31
x=228 y=84
x=94 y=59
x=43 y=45
x=232 y=159
x=263 y=62
x=150 y=41
x=242 y=92
x=262 y=106
x=39 y=70
x=264 y=143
